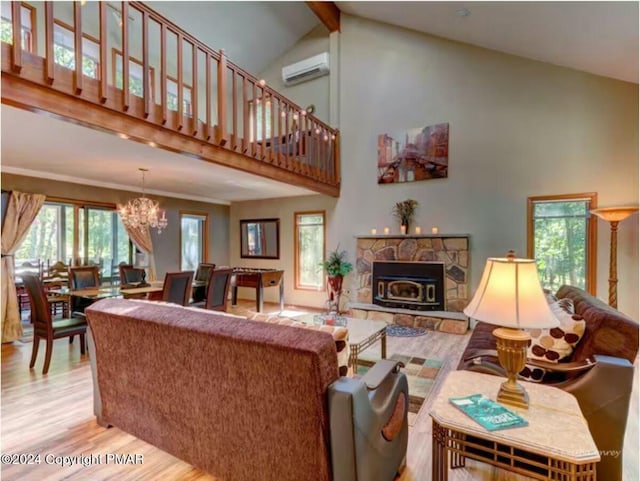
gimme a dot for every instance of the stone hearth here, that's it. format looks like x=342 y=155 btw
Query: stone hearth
x=453 y=250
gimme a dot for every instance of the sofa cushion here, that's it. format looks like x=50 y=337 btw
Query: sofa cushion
x=340 y=336
x=557 y=343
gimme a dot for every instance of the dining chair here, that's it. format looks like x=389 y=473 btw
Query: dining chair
x=54 y=277
x=201 y=279
x=218 y=289
x=131 y=275
x=82 y=277
x=177 y=287
x=43 y=325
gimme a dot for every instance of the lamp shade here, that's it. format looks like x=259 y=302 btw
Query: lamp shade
x=510 y=295
x=615 y=214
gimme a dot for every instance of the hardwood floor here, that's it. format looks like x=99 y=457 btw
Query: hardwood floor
x=53 y=415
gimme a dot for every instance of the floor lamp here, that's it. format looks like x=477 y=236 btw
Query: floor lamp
x=614 y=215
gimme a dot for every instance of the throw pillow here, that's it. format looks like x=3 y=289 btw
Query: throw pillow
x=557 y=343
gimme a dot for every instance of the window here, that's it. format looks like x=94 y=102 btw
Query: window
x=28 y=20
x=135 y=75
x=309 y=249
x=258 y=111
x=102 y=238
x=193 y=240
x=64 y=50
x=172 y=96
x=561 y=238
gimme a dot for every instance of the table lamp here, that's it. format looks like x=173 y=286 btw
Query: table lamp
x=510 y=295
x=614 y=215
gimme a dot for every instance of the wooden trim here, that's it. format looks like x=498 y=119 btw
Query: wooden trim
x=221 y=137
x=77 y=46
x=81 y=203
x=48 y=29
x=209 y=93
x=32 y=45
x=104 y=34
x=16 y=25
x=146 y=98
x=328 y=13
x=152 y=72
x=126 y=95
x=205 y=234
x=180 y=84
x=163 y=72
x=592 y=232
x=296 y=248
x=194 y=89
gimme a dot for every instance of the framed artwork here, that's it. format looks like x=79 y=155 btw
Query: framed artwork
x=416 y=154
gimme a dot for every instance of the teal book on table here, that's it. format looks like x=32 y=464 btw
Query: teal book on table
x=489 y=414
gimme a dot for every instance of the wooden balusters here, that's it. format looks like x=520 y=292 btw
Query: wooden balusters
x=208 y=92
x=260 y=124
x=126 y=95
x=180 y=85
x=16 y=19
x=48 y=32
x=104 y=39
x=194 y=90
x=245 y=117
x=221 y=137
x=77 y=44
x=234 y=110
x=146 y=84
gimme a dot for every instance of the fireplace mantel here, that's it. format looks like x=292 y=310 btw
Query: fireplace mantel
x=412 y=236
x=452 y=249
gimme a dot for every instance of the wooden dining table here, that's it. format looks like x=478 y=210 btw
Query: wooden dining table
x=105 y=292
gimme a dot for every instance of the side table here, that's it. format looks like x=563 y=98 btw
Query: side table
x=556 y=445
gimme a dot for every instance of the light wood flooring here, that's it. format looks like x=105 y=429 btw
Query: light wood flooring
x=53 y=414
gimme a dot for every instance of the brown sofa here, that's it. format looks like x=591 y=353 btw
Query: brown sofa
x=241 y=399
x=599 y=373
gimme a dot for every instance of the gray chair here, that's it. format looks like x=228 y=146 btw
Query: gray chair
x=369 y=430
x=218 y=289
x=177 y=287
x=201 y=279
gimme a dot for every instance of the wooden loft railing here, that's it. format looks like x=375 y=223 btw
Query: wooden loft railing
x=208 y=106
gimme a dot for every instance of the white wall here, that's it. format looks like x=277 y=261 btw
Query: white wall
x=284 y=210
x=314 y=91
x=518 y=128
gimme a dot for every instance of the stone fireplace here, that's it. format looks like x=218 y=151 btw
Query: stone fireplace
x=449 y=251
x=417 y=286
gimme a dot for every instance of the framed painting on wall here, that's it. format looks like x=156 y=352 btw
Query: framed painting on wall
x=416 y=154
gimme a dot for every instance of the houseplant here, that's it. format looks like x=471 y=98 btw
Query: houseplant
x=336 y=267
x=404 y=212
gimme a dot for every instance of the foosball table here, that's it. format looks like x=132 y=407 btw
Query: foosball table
x=257 y=279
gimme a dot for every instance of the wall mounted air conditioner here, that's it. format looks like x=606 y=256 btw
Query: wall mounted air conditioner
x=307 y=69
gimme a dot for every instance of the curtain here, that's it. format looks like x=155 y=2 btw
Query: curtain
x=22 y=209
x=141 y=238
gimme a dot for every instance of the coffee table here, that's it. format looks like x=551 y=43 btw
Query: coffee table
x=363 y=333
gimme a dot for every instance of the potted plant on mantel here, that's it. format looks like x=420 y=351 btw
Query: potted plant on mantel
x=404 y=212
x=336 y=267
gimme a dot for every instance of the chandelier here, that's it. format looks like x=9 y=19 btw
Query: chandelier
x=142 y=212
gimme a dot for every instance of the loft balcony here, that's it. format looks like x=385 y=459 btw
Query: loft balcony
x=121 y=67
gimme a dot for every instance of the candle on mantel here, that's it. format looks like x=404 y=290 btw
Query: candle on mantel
x=418 y=230
x=386 y=231
x=374 y=231
x=434 y=230
x=403 y=229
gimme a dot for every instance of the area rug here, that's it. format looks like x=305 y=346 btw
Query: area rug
x=421 y=375
x=404 y=331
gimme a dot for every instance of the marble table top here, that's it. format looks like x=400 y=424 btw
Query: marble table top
x=556 y=425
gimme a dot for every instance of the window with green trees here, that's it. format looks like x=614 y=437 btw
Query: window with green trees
x=562 y=240
x=64 y=51
x=6 y=26
x=103 y=240
x=309 y=249
x=136 y=85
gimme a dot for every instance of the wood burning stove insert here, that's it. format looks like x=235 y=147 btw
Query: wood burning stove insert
x=409 y=285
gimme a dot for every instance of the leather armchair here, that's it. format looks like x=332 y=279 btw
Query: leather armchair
x=368 y=424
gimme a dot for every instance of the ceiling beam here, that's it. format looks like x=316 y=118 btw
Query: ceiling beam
x=328 y=13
